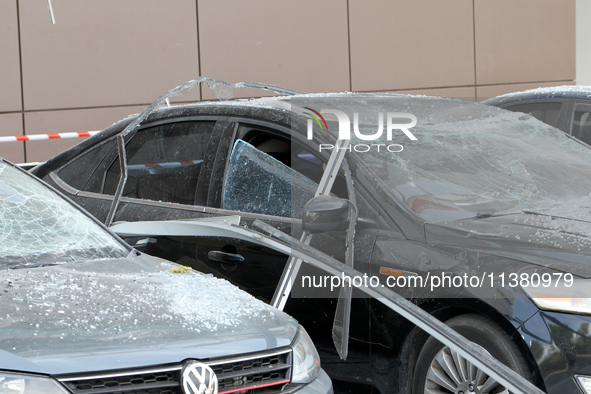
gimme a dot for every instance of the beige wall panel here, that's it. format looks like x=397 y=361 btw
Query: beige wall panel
x=10 y=77
x=583 y=63
x=12 y=124
x=485 y=92
x=106 y=52
x=411 y=44
x=300 y=44
x=464 y=93
x=524 y=40
x=69 y=121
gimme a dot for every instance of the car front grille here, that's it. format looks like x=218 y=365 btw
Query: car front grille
x=255 y=374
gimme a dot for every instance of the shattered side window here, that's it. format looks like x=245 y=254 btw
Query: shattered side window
x=163 y=162
x=258 y=183
x=37 y=226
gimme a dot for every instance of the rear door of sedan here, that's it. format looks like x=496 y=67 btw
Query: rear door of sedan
x=167 y=163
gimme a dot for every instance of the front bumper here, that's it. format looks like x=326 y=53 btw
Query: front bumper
x=560 y=344
x=321 y=385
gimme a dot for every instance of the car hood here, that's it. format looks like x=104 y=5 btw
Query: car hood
x=125 y=313
x=559 y=243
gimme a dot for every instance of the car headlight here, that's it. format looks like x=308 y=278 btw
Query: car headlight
x=568 y=295
x=306 y=363
x=13 y=383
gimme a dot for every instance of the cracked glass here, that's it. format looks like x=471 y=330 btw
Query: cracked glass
x=258 y=183
x=38 y=227
x=466 y=160
x=479 y=167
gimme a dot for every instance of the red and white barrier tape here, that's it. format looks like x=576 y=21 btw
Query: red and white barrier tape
x=38 y=137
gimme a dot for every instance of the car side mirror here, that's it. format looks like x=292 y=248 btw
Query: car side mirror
x=144 y=244
x=326 y=213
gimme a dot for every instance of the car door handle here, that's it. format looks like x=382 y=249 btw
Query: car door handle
x=224 y=257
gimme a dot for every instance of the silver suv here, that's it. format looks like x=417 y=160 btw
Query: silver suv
x=82 y=312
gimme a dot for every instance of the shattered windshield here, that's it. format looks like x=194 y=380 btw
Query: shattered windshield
x=484 y=166
x=455 y=159
x=39 y=227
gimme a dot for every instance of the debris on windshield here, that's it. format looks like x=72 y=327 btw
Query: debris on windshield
x=489 y=164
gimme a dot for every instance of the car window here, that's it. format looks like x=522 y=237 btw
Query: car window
x=581 y=124
x=163 y=162
x=547 y=112
x=84 y=171
x=257 y=182
x=270 y=174
x=37 y=226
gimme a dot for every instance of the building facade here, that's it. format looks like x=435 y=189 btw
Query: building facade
x=105 y=59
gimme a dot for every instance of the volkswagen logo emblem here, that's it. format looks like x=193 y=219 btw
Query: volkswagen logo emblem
x=198 y=378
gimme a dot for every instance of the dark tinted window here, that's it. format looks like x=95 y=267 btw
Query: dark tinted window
x=581 y=124
x=83 y=173
x=547 y=112
x=163 y=162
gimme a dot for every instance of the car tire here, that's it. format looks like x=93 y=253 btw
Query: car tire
x=438 y=370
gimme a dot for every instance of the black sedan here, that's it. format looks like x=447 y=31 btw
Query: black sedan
x=478 y=215
x=565 y=107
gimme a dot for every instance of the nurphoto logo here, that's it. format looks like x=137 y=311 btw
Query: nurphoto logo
x=395 y=121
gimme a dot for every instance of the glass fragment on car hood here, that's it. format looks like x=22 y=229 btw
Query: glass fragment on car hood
x=131 y=306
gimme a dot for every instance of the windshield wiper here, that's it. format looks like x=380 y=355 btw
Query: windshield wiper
x=484 y=215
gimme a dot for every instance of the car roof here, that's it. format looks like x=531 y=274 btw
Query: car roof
x=429 y=107
x=282 y=109
x=564 y=92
